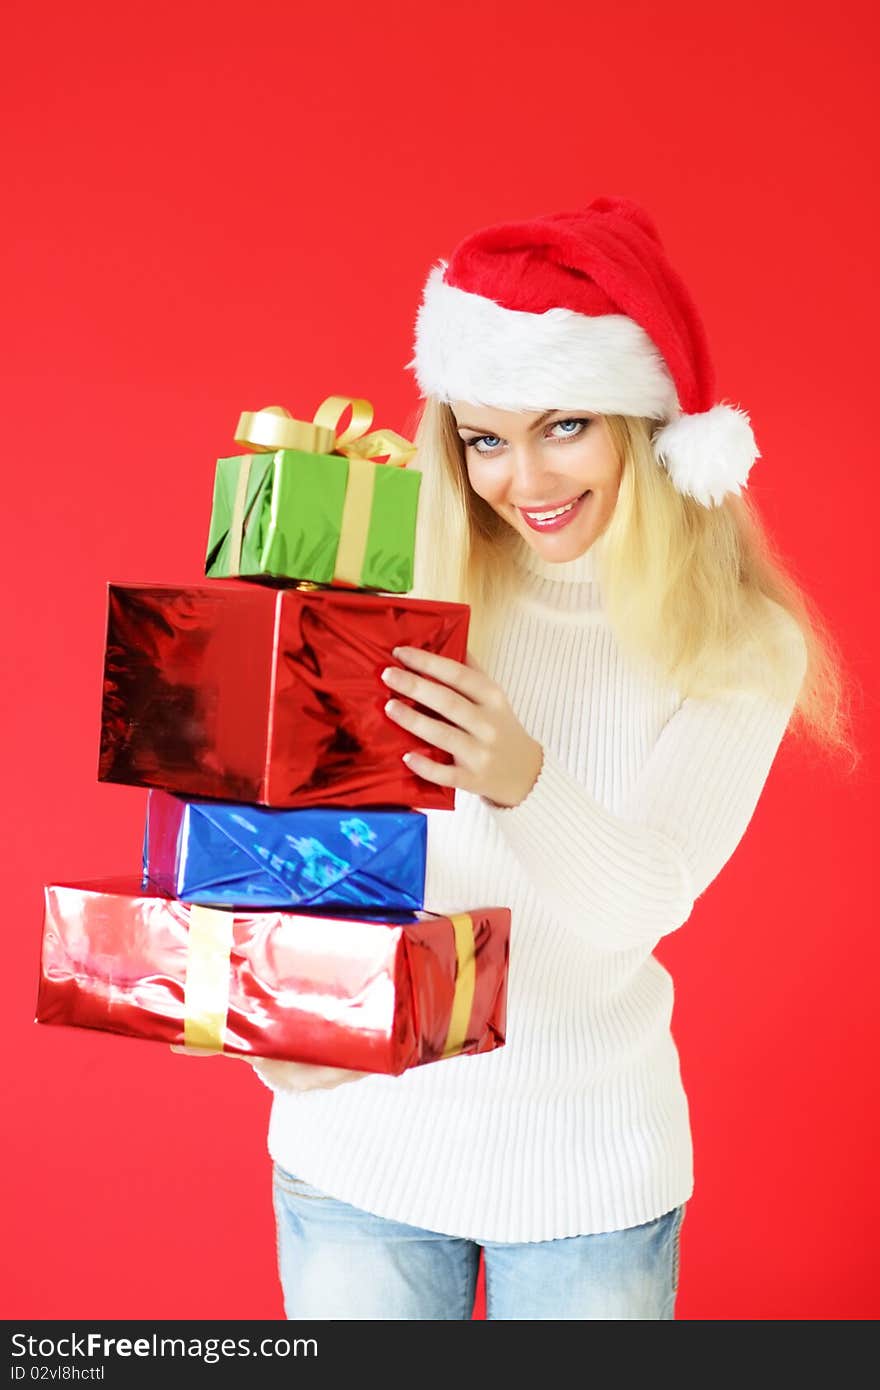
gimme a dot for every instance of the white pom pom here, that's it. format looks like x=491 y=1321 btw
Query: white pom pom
x=710 y=454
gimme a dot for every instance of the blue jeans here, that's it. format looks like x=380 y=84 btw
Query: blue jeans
x=336 y=1261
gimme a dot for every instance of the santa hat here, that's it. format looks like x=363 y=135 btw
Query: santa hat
x=582 y=310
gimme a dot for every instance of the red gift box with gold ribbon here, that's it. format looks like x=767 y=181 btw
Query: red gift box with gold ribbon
x=373 y=994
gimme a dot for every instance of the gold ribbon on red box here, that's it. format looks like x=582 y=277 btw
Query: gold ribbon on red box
x=206 y=991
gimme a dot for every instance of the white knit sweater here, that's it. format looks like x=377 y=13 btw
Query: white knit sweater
x=580 y=1122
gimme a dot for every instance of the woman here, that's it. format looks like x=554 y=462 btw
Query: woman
x=638 y=654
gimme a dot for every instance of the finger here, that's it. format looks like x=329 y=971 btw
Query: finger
x=444 y=774
x=465 y=679
x=302 y=1076
x=186 y=1050
x=474 y=664
x=433 y=731
x=454 y=707
x=336 y=1076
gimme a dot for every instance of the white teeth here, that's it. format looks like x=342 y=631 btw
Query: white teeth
x=545 y=516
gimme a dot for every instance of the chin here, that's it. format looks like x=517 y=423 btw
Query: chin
x=559 y=546
x=562 y=553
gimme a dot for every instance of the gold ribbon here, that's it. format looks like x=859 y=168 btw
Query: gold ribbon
x=206 y=991
x=354 y=525
x=273 y=428
x=465 y=983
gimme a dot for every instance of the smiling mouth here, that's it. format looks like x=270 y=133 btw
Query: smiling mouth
x=544 y=519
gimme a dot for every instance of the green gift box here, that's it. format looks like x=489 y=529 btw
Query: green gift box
x=312 y=502
x=328 y=518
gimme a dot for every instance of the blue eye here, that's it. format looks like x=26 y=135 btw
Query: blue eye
x=480 y=438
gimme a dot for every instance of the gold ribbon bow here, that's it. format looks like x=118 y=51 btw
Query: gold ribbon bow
x=206 y=990
x=272 y=428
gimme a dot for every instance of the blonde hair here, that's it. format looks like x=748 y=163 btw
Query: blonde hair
x=685 y=587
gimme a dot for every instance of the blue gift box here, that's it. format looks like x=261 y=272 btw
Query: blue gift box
x=231 y=855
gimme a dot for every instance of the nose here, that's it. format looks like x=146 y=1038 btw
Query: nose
x=530 y=480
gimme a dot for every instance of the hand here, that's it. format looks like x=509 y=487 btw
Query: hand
x=189 y=1051
x=301 y=1076
x=494 y=755
x=282 y=1076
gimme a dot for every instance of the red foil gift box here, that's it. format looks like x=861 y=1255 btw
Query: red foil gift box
x=377 y=994
x=270 y=695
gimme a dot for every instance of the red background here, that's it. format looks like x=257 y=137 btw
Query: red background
x=217 y=206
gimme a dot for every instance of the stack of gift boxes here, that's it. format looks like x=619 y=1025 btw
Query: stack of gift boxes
x=281 y=911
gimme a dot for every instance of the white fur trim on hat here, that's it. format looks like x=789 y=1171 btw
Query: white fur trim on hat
x=708 y=454
x=469 y=348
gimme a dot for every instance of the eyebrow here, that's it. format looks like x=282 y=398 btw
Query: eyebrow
x=540 y=420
